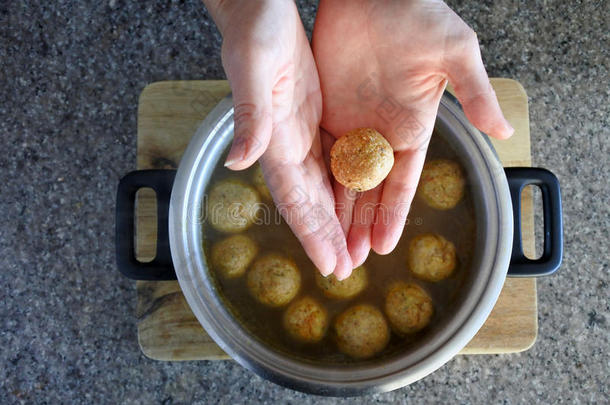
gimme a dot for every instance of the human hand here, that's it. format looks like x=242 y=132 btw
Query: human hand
x=278 y=105
x=385 y=65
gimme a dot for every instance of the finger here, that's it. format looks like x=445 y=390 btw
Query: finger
x=469 y=79
x=252 y=97
x=344 y=266
x=359 y=238
x=321 y=152
x=344 y=198
x=398 y=191
x=327 y=143
x=308 y=209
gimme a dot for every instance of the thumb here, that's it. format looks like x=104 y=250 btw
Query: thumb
x=469 y=79
x=252 y=92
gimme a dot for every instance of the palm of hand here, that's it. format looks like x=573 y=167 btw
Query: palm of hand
x=294 y=167
x=385 y=65
x=278 y=107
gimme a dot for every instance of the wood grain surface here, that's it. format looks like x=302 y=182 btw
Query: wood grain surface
x=168 y=115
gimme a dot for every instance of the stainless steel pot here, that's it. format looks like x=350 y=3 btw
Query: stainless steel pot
x=496 y=194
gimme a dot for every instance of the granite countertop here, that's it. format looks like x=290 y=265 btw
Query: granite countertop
x=71 y=73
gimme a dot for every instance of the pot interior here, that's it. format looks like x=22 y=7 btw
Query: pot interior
x=472 y=293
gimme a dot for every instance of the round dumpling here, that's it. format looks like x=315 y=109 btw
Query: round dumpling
x=345 y=289
x=361 y=331
x=361 y=159
x=274 y=280
x=232 y=255
x=431 y=257
x=306 y=320
x=259 y=182
x=232 y=206
x=408 y=308
x=442 y=184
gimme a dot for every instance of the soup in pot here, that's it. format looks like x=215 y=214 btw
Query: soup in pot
x=386 y=305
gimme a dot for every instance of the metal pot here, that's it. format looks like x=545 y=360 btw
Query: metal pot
x=496 y=193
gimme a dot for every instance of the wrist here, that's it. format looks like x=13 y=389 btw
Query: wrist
x=218 y=11
x=227 y=12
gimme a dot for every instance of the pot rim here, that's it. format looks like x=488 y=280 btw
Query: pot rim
x=201 y=293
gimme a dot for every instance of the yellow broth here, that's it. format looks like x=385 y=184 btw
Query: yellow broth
x=456 y=225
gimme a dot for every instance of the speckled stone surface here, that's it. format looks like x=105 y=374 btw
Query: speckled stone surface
x=71 y=73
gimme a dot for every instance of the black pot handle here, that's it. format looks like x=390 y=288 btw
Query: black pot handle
x=161 y=267
x=549 y=262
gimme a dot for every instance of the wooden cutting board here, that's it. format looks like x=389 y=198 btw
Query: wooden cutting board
x=168 y=115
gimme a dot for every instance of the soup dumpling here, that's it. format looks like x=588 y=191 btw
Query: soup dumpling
x=431 y=257
x=408 y=307
x=232 y=255
x=344 y=289
x=306 y=320
x=361 y=331
x=274 y=280
x=361 y=159
x=232 y=206
x=259 y=182
x=441 y=184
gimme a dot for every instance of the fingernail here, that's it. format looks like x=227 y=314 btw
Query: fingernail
x=344 y=267
x=358 y=260
x=237 y=152
x=343 y=275
x=326 y=272
x=509 y=130
x=326 y=269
